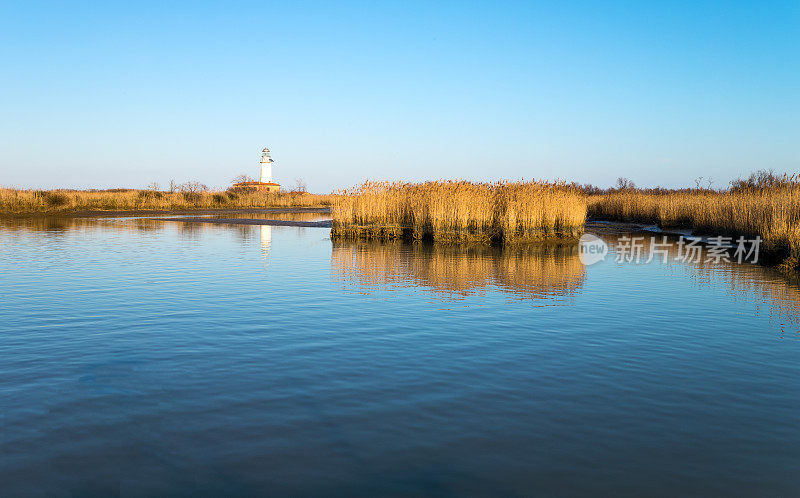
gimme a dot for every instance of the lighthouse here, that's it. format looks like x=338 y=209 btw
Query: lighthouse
x=265 y=184
x=266 y=166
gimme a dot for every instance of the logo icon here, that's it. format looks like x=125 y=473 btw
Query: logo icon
x=592 y=249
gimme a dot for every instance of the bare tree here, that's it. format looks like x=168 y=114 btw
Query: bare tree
x=153 y=186
x=242 y=179
x=193 y=187
x=761 y=179
x=172 y=186
x=300 y=185
x=698 y=181
x=625 y=184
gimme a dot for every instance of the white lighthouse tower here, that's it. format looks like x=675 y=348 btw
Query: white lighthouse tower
x=266 y=166
x=266 y=184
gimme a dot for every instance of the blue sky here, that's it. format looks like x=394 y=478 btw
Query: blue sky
x=107 y=94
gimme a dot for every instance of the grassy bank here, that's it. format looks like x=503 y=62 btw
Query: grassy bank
x=459 y=211
x=19 y=202
x=769 y=209
x=763 y=205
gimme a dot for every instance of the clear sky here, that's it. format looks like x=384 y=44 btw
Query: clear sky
x=106 y=94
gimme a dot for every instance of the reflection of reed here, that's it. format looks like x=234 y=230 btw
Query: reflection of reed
x=541 y=270
x=67 y=223
x=781 y=298
x=58 y=224
x=764 y=286
x=529 y=272
x=43 y=224
x=752 y=281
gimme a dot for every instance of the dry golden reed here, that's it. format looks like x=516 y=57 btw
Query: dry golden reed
x=771 y=213
x=452 y=211
x=14 y=201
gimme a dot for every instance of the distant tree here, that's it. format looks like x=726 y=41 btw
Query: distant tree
x=300 y=185
x=763 y=179
x=698 y=181
x=151 y=193
x=625 y=184
x=172 y=186
x=193 y=187
x=242 y=178
x=589 y=189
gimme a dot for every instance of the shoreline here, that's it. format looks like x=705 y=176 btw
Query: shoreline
x=779 y=259
x=598 y=227
x=245 y=221
x=165 y=212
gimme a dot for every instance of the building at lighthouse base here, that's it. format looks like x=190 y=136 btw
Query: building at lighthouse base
x=258 y=186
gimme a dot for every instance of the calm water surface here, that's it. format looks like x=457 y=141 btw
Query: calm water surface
x=143 y=357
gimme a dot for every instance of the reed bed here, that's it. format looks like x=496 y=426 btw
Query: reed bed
x=14 y=201
x=459 y=211
x=770 y=213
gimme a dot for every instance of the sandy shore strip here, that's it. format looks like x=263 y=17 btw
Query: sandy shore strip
x=246 y=221
x=192 y=212
x=594 y=227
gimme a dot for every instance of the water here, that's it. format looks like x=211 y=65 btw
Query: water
x=143 y=357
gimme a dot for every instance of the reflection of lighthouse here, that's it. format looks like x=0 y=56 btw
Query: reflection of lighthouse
x=266 y=166
x=266 y=238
